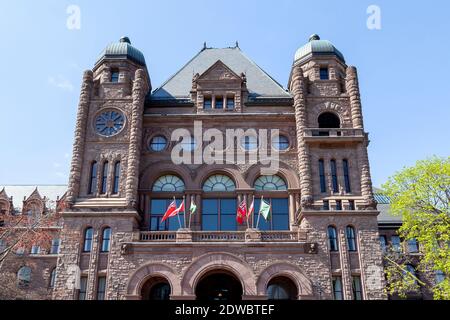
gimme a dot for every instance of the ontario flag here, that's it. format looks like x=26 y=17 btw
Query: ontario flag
x=241 y=212
x=172 y=210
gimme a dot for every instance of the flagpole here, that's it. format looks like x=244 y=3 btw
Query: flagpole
x=190 y=213
x=178 y=214
x=253 y=213
x=246 y=209
x=259 y=213
x=184 y=211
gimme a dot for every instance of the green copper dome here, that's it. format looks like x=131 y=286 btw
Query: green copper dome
x=122 y=49
x=317 y=47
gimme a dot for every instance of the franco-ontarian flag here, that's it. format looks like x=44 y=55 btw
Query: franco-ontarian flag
x=264 y=210
x=193 y=207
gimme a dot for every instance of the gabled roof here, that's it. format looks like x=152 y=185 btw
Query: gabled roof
x=19 y=192
x=259 y=83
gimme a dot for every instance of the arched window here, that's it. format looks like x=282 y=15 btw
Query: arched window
x=104 y=177
x=346 y=176
x=334 y=175
x=24 y=276
x=270 y=183
x=51 y=283
x=115 y=75
x=323 y=186
x=351 y=238
x=116 y=178
x=332 y=238
x=281 y=288
x=158 y=143
x=88 y=235
x=219 y=182
x=329 y=120
x=106 y=239
x=168 y=183
x=93 y=178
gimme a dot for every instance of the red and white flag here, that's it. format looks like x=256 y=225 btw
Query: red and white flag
x=171 y=211
x=252 y=208
x=241 y=212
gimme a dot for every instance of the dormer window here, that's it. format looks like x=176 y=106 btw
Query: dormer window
x=207 y=103
x=219 y=103
x=324 y=74
x=115 y=75
x=230 y=103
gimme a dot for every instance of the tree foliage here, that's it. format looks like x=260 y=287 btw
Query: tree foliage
x=421 y=195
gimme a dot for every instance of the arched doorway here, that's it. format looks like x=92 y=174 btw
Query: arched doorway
x=281 y=288
x=156 y=288
x=219 y=286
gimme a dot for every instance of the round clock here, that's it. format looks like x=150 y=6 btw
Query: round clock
x=109 y=123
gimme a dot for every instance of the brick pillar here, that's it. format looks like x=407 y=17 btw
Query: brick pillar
x=140 y=89
x=73 y=188
x=299 y=91
x=366 y=180
x=345 y=266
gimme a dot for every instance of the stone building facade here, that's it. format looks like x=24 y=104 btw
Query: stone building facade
x=321 y=239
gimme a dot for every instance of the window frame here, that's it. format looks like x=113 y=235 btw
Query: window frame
x=346 y=170
x=82 y=292
x=101 y=288
x=333 y=242
x=322 y=179
x=93 y=178
x=158 y=146
x=334 y=178
x=337 y=294
x=106 y=240
x=324 y=73
x=115 y=75
x=56 y=242
x=86 y=239
x=350 y=235
x=357 y=289
x=116 y=179
x=104 y=181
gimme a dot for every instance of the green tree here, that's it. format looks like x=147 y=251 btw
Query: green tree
x=421 y=195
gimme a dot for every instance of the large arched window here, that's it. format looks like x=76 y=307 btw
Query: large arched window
x=270 y=183
x=329 y=120
x=106 y=239
x=281 y=288
x=168 y=183
x=93 y=178
x=88 y=235
x=156 y=289
x=351 y=238
x=332 y=239
x=24 y=276
x=219 y=182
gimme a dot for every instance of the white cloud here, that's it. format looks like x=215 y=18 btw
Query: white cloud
x=61 y=82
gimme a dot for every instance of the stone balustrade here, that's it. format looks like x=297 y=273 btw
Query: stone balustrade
x=333 y=133
x=250 y=235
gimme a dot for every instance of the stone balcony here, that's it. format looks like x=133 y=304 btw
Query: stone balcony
x=324 y=135
x=250 y=235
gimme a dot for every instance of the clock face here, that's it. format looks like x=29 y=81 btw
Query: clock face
x=109 y=123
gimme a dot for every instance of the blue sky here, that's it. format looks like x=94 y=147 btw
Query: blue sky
x=404 y=68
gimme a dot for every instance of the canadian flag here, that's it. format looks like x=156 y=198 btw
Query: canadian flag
x=172 y=210
x=241 y=212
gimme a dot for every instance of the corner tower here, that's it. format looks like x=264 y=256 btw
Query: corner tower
x=336 y=188
x=102 y=190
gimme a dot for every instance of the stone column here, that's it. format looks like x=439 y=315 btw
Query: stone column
x=299 y=92
x=352 y=88
x=140 y=89
x=73 y=188
x=366 y=180
x=345 y=266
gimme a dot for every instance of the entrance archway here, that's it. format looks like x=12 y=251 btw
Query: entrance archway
x=219 y=286
x=156 y=288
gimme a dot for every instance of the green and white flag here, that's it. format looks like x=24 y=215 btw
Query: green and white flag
x=264 y=210
x=193 y=207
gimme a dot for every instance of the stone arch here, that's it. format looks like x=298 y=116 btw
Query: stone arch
x=340 y=110
x=230 y=171
x=155 y=170
x=285 y=171
x=139 y=277
x=218 y=261
x=290 y=271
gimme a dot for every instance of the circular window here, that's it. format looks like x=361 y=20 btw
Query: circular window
x=109 y=123
x=158 y=143
x=249 y=143
x=280 y=143
x=188 y=144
